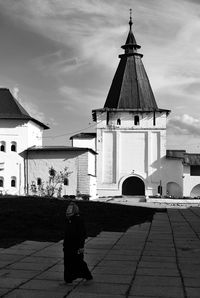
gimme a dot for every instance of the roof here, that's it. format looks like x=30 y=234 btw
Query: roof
x=59 y=148
x=192 y=159
x=130 y=88
x=84 y=135
x=175 y=154
x=10 y=108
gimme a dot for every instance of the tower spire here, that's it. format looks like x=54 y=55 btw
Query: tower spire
x=130 y=22
x=131 y=44
x=130 y=88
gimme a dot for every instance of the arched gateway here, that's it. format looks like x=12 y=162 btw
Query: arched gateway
x=133 y=186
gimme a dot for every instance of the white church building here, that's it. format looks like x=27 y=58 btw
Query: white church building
x=126 y=156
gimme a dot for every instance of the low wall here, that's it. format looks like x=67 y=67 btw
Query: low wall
x=174 y=201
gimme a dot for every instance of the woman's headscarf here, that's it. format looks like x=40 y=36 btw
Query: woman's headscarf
x=72 y=209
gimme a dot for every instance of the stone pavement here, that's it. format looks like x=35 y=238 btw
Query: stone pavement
x=158 y=259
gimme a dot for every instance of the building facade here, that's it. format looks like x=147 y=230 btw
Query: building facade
x=126 y=156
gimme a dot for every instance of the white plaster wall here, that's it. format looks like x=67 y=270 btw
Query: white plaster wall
x=132 y=153
x=93 y=187
x=12 y=163
x=35 y=133
x=127 y=120
x=172 y=172
x=81 y=165
x=189 y=181
x=128 y=149
x=40 y=162
x=83 y=183
x=84 y=143
x=109 y=157
x=91 y=164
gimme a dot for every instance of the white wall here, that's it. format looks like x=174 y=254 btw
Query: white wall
x=127 y=120
x=189 y=181
x=40 y=162
x=82 y=178
x=128 y=149
x=91 y=164
x=84 y=143
x=24 y=133
x=173 y=172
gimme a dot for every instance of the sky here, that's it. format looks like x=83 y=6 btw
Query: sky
x=58 y=58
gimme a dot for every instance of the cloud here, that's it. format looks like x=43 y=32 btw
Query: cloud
x=185 y=125
x=93 y=30
x=31 y=108
x=77 y=100
x=15 y=92
x=57 y=63
x=88 y=35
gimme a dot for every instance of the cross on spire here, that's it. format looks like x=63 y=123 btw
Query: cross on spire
x=130 y=22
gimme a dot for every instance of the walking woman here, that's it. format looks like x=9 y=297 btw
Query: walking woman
x=73 y=246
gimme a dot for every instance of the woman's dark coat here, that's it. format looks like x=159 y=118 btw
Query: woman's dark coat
x=74 y=239
x=75 y=234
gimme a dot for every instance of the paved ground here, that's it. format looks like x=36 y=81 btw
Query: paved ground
x=158 y=259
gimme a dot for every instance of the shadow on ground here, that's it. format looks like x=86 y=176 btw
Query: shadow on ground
x=42 y=219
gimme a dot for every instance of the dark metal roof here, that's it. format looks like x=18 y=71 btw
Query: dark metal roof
x=10 y=108
x=84 y=135
x=130 y=88
x=175 y=154
x=192 y=159
x=59 y=148
x=187 y=158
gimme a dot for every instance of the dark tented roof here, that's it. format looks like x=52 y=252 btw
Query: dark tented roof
x=10 y=108
x=130 y=88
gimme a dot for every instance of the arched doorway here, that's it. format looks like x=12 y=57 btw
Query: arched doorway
x=174 y=190
x=133 y=186
x=195 y=192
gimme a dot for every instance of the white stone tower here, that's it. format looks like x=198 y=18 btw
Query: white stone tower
x=131 y=131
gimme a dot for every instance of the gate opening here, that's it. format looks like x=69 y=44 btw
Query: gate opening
x=133 y=186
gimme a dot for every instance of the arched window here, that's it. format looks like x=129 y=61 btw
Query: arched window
x=39 y=181
x=66 y=181
x=136 y=120
x=118 y=121
x=1 y=181
x=2 y=146
x=14 y=146
x=13 y=181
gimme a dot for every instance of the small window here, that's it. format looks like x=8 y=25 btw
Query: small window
x=66 y=181
x=39 y=181
x=136 y=120
x=13 y=181
x=154 y=118
x=194 y=170
x=1 y=181
x=13 y=146
x=2 y=146
x=118 y=121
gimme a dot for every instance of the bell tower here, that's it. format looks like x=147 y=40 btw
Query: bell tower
x=131 y=130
